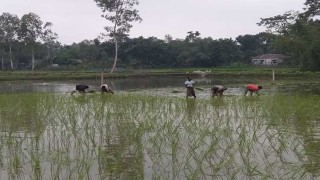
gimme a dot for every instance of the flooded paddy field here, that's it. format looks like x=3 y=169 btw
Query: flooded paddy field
x=148 y=130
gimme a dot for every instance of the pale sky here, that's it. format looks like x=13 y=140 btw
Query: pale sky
x=77 y=20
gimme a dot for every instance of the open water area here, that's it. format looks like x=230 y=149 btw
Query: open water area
x=166 y=85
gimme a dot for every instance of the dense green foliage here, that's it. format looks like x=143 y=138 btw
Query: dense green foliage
x=298 y=35
x=295 y=34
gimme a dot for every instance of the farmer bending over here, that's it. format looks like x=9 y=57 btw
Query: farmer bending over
x=106 y=89
x=217 y=90
x=80 y=88
x=253 y=89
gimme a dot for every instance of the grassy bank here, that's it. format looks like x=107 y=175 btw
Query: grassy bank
x=208 y=72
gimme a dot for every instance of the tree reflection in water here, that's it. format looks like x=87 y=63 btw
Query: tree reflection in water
x=129 y=136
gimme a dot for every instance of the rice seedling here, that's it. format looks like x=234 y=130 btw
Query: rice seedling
x=136 y=136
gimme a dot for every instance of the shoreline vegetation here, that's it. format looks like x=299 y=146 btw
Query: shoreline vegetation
x=201 y=72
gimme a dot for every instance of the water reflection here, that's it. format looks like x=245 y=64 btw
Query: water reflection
x=307 y=125
x=191 y=108
x=21 y=114
x=121 y=155
x=129 y=136
x=234 y=85
x=22 y=126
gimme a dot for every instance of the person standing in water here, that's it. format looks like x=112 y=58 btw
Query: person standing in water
x=189 y=85
x=253 y=89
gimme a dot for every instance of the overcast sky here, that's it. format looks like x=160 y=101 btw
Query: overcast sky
x=77 y=20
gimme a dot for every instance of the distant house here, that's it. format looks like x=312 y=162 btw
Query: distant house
x=268 y=59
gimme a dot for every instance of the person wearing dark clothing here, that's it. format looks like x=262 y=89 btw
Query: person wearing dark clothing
x=80 y=88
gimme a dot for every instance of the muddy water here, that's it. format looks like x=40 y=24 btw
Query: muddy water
x=125 y=84
x=166 y=86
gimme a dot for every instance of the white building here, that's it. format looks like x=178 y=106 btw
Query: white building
x=268 y=59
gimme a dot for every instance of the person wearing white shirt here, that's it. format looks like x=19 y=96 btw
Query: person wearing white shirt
x=189 y=85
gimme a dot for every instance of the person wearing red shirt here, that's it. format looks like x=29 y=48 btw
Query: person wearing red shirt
x=253 y=89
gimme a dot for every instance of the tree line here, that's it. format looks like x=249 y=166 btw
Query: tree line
x=28 y=43
x=297 y=34
x=24 y=39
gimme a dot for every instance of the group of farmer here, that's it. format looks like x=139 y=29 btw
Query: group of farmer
x=189 y=84
x=219 y=89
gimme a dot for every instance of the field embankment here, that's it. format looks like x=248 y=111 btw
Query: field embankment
x=204 y=72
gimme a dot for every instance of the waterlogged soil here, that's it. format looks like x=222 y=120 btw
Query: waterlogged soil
x=148 y=130
x=169 y=85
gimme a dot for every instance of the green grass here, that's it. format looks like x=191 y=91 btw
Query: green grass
x=94 y=136
x=221 y=71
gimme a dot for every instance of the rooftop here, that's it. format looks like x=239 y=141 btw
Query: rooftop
x=270 y=56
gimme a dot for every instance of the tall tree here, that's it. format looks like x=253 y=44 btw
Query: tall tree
x=168 y=38
x=2 y=53
x=279 y=24
x=31 y=31
x=252 y=45
x=312 y=8
x=249 y=44
x=49 y=37
x=120 y=13
x=192 y=36
x=9 y=25
x=299 y=35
